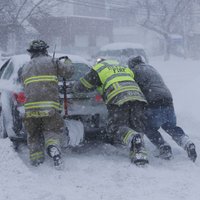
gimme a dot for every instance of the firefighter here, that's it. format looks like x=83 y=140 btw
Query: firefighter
x=160 y=110
x=42 y=120
x=124 y=101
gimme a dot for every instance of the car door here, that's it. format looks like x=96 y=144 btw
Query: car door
x=10 y=116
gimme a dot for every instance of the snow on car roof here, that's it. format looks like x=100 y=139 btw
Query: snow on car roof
x=121 y=45
x=21 y=59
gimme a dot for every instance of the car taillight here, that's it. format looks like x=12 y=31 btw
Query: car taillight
x=20 y=97
x=98 y=98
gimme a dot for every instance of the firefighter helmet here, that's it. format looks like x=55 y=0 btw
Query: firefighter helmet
x=37 y=46
x=100 y=60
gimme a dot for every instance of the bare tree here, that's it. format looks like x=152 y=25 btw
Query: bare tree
x=164 y=18
x=15 y=13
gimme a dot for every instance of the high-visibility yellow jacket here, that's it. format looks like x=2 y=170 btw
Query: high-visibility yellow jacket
x=115 y=83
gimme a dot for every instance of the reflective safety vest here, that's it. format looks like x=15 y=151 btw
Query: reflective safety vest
x=111 y=74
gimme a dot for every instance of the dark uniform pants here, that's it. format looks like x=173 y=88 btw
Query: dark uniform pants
x=43 y=132
x=124 y=121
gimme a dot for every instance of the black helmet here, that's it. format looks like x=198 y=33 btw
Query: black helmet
x=37 y=46
x=100 y=60
x=132 y=62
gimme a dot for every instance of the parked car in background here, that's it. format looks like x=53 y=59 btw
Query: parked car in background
x=88 y=107
x=121 y=51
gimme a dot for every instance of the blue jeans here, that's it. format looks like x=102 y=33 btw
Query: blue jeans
x=162 y=117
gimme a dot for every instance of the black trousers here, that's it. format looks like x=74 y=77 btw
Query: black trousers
x=125 y=118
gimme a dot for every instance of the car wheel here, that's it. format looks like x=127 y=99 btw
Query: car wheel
x=3 y=133
x=7 y=119
x=17 y=120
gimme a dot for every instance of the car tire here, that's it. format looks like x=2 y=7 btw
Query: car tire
x=17 y=121
x=7 y=103
x=12 y=120
x=3 y=133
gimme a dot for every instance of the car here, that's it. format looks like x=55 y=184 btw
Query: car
x=87 y=107
x=121 y=51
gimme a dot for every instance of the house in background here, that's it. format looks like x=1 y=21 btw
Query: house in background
x=80 y=34
x=80 y=27
x=73 y=27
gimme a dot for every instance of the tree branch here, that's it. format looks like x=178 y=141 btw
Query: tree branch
x=31 y=11
x=20 y=9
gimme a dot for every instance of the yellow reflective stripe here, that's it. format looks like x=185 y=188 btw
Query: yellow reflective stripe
x=112 y=80
x=86 y=83
x=117 y=77
x=40 y=78
x=44 y=80
x=132 y=98
x=122 y=89
x=45 y=76
x=36 y=155
x=42 y=104
x=127 y=136
x=51 y=142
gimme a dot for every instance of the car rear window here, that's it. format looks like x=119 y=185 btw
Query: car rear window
x=110 y=53
x=124 y=52
x=80 y=70
x=129 y=52
x=3 y=67
x=6 y=74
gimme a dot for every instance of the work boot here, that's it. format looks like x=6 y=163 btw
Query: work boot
x=37 y=162
x=58 y=163
x=138 y=154
x=54 y=153
x=165 y=151
x=37 y=158
x=189 y=147
x=191 y=151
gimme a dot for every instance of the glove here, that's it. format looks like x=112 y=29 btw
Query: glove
x=66 y=59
